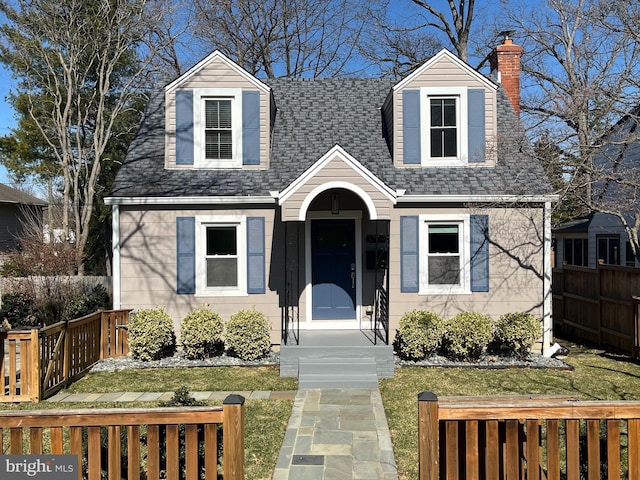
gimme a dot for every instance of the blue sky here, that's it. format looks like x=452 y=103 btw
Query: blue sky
x=6 y=113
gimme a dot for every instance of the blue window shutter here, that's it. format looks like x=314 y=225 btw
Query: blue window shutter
x=479 y=253
x=411 y=126
x=251 y=128
x=186 y=254
x=184 y=127
x=476 y=125
x=409 y=254
x=255 y=255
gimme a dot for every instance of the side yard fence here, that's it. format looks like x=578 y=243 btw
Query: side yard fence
x=598 y=305
x=135 y=443
x=35 y=364
x=527 y=438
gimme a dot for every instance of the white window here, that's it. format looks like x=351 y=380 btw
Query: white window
x=217 y=127
x=444 y=254
x=220 y=255
x=444 y=112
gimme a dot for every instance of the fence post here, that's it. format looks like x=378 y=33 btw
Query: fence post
x=428 y=436
x=35 y=380
x=233 y=437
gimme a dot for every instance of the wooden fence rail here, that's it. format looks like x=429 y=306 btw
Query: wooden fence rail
x=177 y=443
x=39 y=362
x=596 y=304
x=524 y=438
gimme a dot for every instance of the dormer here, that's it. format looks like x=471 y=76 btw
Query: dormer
x=444 y=115
x=217 y=116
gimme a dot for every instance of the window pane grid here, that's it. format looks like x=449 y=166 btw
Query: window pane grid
x=444 y=260
x=443 y=127
x=221 y=256
x=218 y=138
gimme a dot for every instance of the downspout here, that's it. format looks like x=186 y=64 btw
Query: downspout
x=115 y=241
x=547 y=326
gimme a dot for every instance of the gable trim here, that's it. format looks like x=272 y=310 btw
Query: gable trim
x=302 y=214
x=338 y=151
x=216 y=55
x=437 y=57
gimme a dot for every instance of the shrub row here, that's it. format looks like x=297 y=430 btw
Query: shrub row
x=203 y=334
x=465 y=336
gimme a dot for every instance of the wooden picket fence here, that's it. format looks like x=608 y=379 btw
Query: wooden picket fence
x=150 y=443
x=37 y=363
x=527 y=438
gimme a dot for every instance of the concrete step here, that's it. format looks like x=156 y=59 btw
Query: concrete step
x=341 y=372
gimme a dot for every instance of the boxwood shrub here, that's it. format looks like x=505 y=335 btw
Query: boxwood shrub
x=466 y=335
x=247 y=335
x=151 y=334
x=419 y=335
x=201 y=334
x=516 y=333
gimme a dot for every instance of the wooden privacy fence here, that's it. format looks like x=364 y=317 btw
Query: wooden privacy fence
x=37 y=363
x=150 y=443
x=597 y=304
x=513 y=438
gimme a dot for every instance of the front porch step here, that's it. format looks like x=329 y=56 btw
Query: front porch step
x=341 y=372
x=379 y=356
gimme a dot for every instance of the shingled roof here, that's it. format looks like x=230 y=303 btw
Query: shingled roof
x=313 y=115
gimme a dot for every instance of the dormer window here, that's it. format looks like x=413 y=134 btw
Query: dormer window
x=444 y=127
x=443 y=113
x=218 y=128
x=218 y=132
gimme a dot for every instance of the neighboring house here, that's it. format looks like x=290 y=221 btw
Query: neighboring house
x=601 y=237
x=596 y=238
x=334 y=203
x=17 y=209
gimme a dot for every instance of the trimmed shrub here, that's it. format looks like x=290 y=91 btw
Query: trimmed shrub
x=419 y=335
x=201 y=334
x=467 y=335
x=247 y=335
x=516 y=333
x=151 y=335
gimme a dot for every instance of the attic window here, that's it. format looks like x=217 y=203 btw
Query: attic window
x=444 y=131
x=218 y=129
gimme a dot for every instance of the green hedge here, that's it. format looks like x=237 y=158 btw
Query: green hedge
x=247 y=335
x=516 y=333
x=467 y=335
x=201 y=334
x=419 y=335
x=151 y=335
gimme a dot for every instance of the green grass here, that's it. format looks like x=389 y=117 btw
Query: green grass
x=596 y=376
x=204 y=379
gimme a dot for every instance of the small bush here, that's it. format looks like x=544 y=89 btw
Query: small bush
x=419 y=335
x=85 y=302
x=247 y=335
x=19 y=310
x=181 y=398
x=201 y=334
x=151 y=335
x=467 y=335
x=516 y=333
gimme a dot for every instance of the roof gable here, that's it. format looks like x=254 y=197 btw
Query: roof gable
x=215 y=56
x=441 y=56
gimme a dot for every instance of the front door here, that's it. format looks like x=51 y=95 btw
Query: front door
x=333 y=269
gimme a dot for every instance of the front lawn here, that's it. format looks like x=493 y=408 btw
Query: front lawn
x=597 y=376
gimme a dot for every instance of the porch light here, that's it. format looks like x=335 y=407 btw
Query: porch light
x=335 y=203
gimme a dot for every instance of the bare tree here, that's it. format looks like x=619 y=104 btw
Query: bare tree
x=580 y=71
x=290 y=38
x=81 y=66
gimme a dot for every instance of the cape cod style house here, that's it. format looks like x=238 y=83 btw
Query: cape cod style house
x=334 y=206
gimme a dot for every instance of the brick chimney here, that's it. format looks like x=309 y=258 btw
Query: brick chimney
x=505 y=59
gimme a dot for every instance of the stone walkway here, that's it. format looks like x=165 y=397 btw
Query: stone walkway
x=332 y=434
x=336 y=434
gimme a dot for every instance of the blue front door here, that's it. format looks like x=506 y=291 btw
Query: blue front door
x=333 y=264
